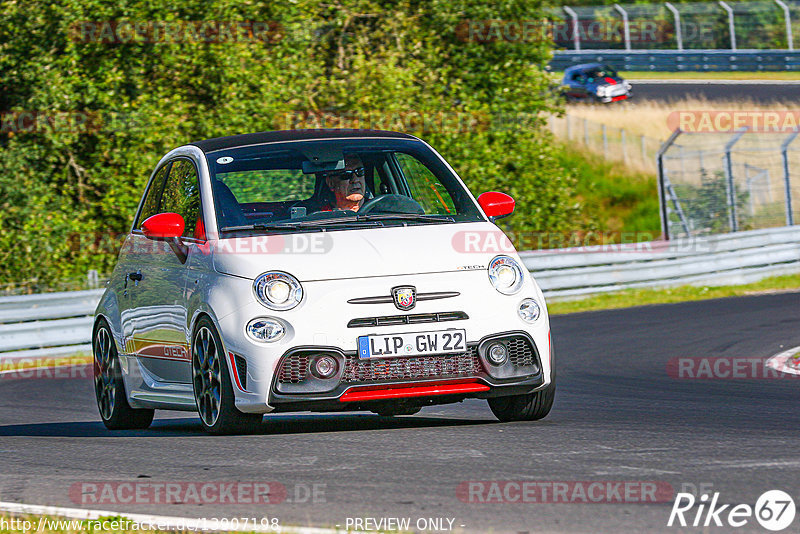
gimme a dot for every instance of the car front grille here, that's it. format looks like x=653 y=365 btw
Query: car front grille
x=294 y=368
x=414 y=318
x=412 y=368
x=520 y=351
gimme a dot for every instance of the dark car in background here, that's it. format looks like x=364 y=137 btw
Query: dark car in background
x=594 y=82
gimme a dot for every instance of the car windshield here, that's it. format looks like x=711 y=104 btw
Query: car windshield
x=600 y=72
x=329 y=184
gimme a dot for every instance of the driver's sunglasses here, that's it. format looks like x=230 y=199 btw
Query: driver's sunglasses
x=348 y=174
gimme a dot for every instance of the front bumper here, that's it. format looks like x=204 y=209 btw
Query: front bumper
x=433 y=379
x=326 y=320
x=614 y=96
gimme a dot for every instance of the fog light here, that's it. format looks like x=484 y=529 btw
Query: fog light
x=324 y=367
x=497 y=354
x=529 y=310
x=265 y=330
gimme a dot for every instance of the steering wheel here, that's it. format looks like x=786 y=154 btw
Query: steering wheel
x=392 y=203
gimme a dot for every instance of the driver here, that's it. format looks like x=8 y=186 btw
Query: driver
x=348 y=186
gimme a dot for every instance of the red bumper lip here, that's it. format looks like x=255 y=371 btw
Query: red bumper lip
x=405 y=391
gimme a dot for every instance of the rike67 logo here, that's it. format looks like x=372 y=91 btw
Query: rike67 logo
x=774 y=510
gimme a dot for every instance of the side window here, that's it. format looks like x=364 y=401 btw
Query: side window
x=182 y=196
x=153 y=197
x=425 y=187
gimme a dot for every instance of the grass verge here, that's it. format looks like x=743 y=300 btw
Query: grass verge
x=615 y=200
x=641 y=297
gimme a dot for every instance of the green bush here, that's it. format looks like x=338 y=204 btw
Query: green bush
x=66 y=192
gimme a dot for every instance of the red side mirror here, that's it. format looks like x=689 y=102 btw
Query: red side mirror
x=496 y=205
x=163 y=226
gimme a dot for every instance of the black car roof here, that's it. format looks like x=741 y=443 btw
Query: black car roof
x=583 y=66
x=231 y=141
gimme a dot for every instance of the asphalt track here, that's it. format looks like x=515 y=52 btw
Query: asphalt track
x=727 y=91
x=619 y=416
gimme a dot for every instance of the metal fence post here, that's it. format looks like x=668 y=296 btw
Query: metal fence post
x=788 y=19
x=786 y=182
x=662 y=193
x=92 y=279
x=678 y=31
x=586 y=132
x=605 y=141
x=576 y=36
x=624 y=148
x=626 y=28
x=731 y=26
x=730 y=186
x=644 y=149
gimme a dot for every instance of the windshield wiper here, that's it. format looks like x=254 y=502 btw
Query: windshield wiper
x=405 y=217
x=260 y=226
x=300 y=225
x=348 y=220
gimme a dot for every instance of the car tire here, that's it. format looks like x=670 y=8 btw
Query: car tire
x=109 y=388
x=212 y=385
x=529 y=407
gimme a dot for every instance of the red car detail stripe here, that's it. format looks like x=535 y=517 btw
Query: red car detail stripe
x=235 y=372
x=365 y=394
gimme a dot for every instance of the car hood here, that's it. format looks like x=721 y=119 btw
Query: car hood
x=608 y=80
x=340 y=254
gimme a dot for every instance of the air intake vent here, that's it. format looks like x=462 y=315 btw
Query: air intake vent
x=294 y=368
x=416 y=318
x=241 y=370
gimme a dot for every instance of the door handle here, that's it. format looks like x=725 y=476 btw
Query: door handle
x=136 y=277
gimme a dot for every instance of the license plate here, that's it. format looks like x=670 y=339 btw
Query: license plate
x=412 y=344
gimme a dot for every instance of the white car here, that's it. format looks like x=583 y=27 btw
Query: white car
x=317 y=270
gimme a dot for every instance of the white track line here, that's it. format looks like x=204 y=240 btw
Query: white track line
x=651 y=81
x=781 y=362
x=163 y=522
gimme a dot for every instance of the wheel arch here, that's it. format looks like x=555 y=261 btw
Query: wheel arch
x=197 y=316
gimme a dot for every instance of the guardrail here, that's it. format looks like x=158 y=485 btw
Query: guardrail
x=47 y=324
x=735 y=258
x=681 y=60
x=53 y=324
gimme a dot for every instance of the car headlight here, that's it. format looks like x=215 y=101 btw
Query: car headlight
x=278 y=291
x=627 y=86
x=265 y=330
x=506 y=275
x=601 y=91
x=529 y=310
